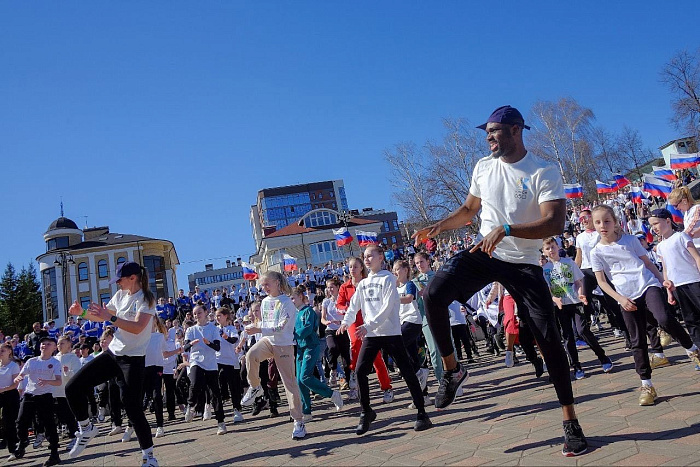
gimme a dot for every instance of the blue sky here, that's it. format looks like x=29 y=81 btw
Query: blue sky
x=164 y=119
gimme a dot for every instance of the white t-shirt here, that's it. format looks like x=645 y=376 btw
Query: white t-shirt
x=35 y=369
x=585 y=241
x=201 y=354
x=690 y=219
x=560 y=277
x=278 y=317
x=227 y=354
x=512 y=194
x=681 y=268
x=456 y=315
x=155 y=349
x=70 y=364
x=622 y=264
x=170 y=363
x=126 y=307
x=378 y=298
x=332 y=313
x=85 y=360
x=7 y=374
x=408 y=312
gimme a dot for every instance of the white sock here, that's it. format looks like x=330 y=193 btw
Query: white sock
x=691 y=350
x=147 y=452
x=647 y=383
x=660 y=355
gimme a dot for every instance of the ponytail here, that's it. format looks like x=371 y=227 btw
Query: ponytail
x=147 y=294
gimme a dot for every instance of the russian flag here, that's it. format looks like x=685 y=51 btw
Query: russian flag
x=684 y=161
x=665 y=173
x=603 y=187
x=675 y=213
x=637 y=195
x=647 y=232
x=342 y=236
x=621 y=181
x=366 y=238
x=290 y=263
x=656 y=186
x=573 y=191
x=249 y=273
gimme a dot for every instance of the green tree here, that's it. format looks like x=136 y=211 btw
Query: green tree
x=20 y=299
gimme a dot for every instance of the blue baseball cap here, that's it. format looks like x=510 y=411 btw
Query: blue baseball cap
x=508 y=115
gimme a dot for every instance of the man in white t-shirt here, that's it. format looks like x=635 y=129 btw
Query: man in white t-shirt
x=521 y=199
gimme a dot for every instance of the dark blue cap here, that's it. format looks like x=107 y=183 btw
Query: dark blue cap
x=126 y=270
x=508 y=115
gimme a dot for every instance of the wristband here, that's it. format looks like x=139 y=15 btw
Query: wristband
x=506 y=227
x=82 y=315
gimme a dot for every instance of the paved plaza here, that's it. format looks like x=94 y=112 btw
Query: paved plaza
x=506 y=417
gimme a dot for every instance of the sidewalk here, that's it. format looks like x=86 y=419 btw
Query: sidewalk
x=506 y=417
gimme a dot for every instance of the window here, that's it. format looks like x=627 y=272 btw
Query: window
x=385 y=241
x=331 y=194
x=58 y=242
x=313 y=196
x=105 y=298
x=320 y=196
x=50 y=293
x=393 y=240
x=155 y=265
x=334 y=205
x=395 y=224
x=318 y=219
x=325 y=251
x=102 y=269
x=386 y=226
x=83 y=272
x=121 y=260
x=85 y=302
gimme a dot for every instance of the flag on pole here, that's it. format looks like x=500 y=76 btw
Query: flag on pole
x=664 y=172
x=342 y=236
x=657 y=186
x=573 y=190
x=637 y=195
x=647 y=232
x=366 y=238
x=684 y=161
x=621 y=181
x=249 y=273
x=290 y=263
x=675 y=213
x=603 y=187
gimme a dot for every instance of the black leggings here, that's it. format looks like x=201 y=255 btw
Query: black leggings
x=590 y=282
x=202 y=380
x=461 y=339
x=64 y=415
x=153 y=387
x=42 y=407
x=339 y=346
x=169 y=381
x=571 y=315
x=129 y=375
x=410 y=333
x=688 y=296
x=230 y=378
x=466 y=273
x=9 y=403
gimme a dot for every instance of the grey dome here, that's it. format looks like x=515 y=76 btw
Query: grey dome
x=63 y=223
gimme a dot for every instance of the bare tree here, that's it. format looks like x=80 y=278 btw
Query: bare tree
x=409 y=178
x=682 y=77
x=632 y=152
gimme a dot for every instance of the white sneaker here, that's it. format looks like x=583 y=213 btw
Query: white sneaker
x=189 y=414
x=149 y=461
x=333 y=379
x=237 y=416
x=38 y=440
x=101 y=414
x=160 y=432
x=222 y=429
x=70 y=444
x=388 y=396
x=207 y=412
x=82 y=440
x=352 y=395
x=422 y=375
x=250 y=395
x=509 y=359
x=353 y=380
x=116 y=430
x=299 y=431
x=11 y=458
x=128 y=433
x=307 y=417
x=460 y=391
x=337 y=400
x=617 y=333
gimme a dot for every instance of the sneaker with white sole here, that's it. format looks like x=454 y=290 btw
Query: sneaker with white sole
x=450 y=383
x=189 y=414
x=422 y=375
x=333 y=379
x=160 y=432
x=299 y=431
x=101 y=414
x=207 y=412
x=116 y=430
x=237 y=416
x=510 y=361
x=38 y=440
x=388 y=396
x=82 y=440
x=221 y=430
x=352 y=384
x=337 y=400
x=352 y=395
x=250 y=395
x=128 y=433
x=149 y=461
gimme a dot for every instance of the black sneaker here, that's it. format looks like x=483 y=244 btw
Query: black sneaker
x=52 y=460
x=172 y=417
x=539 y=367
x=20 y=451
x=273 y=412
x=259 y=404
x=422 y=422
x=365 y=420
x=451 y=380
x=575 y=442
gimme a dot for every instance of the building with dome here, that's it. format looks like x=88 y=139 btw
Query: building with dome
x=78 y=264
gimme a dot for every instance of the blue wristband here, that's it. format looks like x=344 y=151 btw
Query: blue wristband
x=506 y=227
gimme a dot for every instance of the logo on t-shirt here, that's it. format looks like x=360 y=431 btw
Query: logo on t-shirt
x=522 y=188
x=50 y=365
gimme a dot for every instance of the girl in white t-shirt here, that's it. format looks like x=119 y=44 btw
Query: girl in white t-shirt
x=621 y=259
x=227 y=361
x=338 y=344
x=681 y=266
x=681 y=199
x=9 y=396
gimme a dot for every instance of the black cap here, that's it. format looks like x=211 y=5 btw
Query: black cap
x=662 y=214
x=126 y=270
x=508 y=115
x=47 y=338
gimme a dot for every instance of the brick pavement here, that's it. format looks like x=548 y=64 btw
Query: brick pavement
x=507 y=417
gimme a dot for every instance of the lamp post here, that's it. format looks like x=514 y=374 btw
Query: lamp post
x=344 y=217
x=63 y=259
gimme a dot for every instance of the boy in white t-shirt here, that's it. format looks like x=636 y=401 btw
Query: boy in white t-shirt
x=42 y=373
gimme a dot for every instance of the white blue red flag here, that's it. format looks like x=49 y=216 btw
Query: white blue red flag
x=574 y=190
x=647 y=232
x=249 y=273
x=657 y=186
x=621 y=181
x=637 y=195
x=675 y=213
x=603 y=187
x=366 y=238
x=664 y=172
x=342 y=236
x=684 y=161
x=290 y=263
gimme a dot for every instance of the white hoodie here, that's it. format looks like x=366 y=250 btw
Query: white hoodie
x=379 y=301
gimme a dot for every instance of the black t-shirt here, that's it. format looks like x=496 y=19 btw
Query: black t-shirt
x=35 y=340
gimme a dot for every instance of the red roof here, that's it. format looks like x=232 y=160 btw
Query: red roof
x=296 y=229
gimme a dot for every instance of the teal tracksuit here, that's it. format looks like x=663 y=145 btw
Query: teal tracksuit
x=306 y=335
x=421 y=281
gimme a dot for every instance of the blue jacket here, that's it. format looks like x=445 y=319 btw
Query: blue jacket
x=306 y=328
